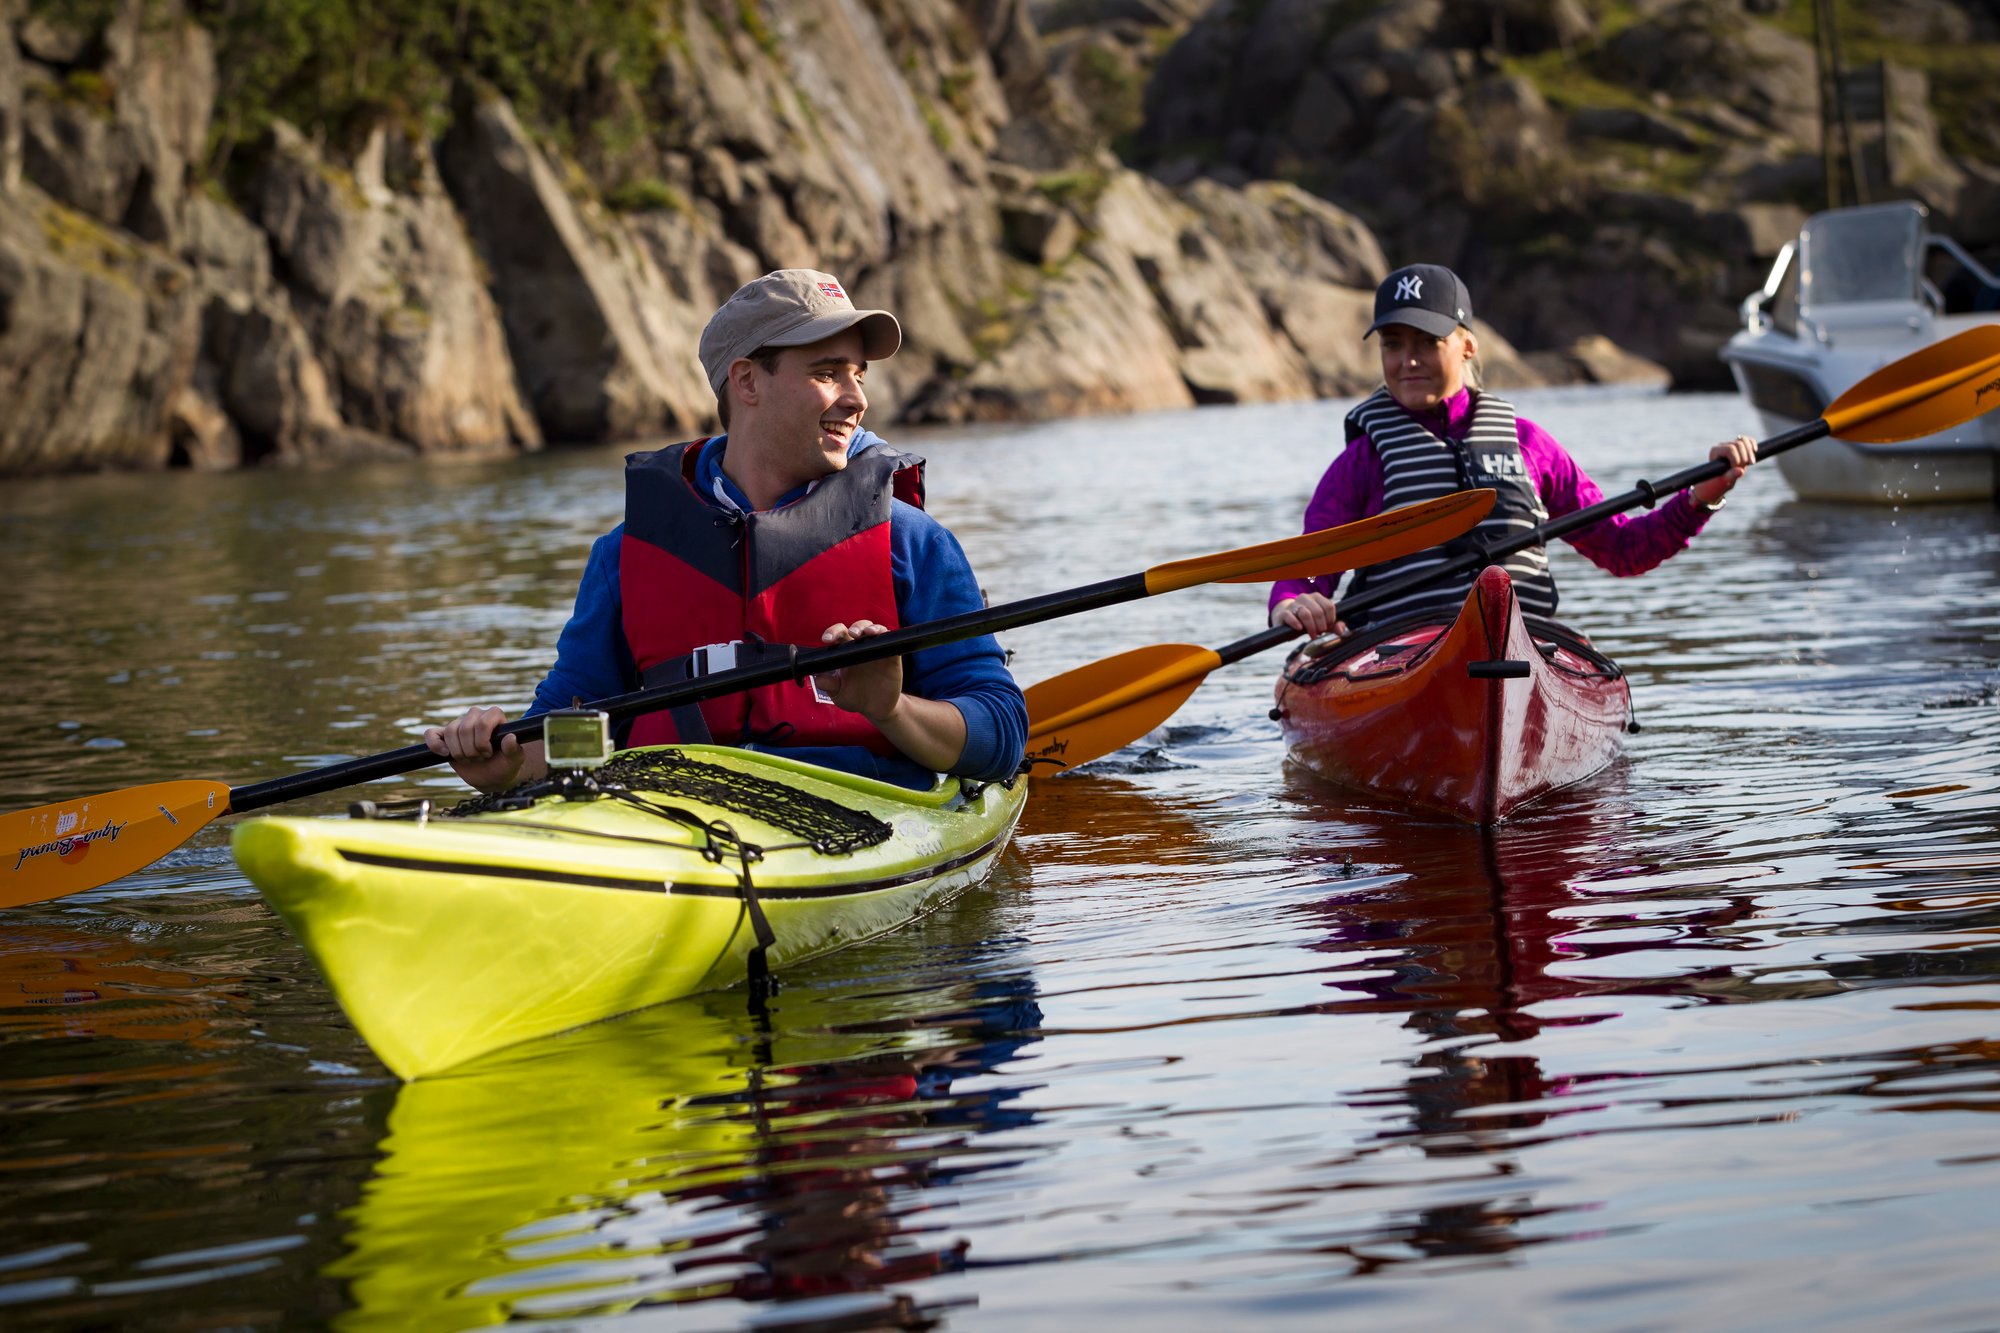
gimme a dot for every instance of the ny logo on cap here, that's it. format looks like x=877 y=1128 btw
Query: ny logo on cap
x=1410 y=287
x=833 y=289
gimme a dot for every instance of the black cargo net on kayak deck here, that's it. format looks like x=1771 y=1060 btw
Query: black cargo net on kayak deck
x=635 y=777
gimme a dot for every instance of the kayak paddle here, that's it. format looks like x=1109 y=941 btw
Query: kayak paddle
x=1106 y=705
x=79 y=844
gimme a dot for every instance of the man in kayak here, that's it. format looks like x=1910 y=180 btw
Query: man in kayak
x=795 y=527
x=1429 y=430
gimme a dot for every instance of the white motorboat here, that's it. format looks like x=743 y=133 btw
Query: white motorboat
x=1859 y=288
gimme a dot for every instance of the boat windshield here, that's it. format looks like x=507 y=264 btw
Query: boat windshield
x=1861 y=254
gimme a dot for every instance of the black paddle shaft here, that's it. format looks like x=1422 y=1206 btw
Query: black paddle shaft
x=801 y=663
x=1646 y=493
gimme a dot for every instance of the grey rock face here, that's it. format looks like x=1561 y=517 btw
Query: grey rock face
x=10 y=103
x=1692 y=126
x=118 y=144
x=479 y=293
x=96 y=335
x=591 y=363
x=1705 y=51
x=1313 y=268
x=78 y=153
x=947 y=158
x=387 y=283
x=259 y=367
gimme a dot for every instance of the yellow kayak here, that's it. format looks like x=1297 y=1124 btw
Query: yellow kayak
x=445 y=936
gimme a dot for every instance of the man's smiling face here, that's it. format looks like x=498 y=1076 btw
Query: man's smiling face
x=812 y=400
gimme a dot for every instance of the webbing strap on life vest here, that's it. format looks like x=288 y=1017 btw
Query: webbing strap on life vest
x=689 y=724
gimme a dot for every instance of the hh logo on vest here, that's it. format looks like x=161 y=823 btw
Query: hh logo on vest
x=1500 y=466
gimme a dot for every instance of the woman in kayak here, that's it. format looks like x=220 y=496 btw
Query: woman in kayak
x=1429 y=430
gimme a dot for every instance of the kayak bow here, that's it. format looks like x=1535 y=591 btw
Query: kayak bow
x=445 y=937
x=1472 y=719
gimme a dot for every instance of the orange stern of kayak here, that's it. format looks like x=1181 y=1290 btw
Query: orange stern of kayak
x=1471 y=719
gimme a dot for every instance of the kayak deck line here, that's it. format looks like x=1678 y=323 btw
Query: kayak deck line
x=543 y=833
x=429 y=866
x=781 y=892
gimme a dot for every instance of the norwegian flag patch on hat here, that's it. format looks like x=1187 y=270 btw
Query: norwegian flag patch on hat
x=789 y=307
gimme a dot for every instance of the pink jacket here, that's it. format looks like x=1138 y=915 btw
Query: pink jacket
x=1623 y=544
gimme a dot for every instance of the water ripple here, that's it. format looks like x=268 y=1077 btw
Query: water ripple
x=1708 y=1043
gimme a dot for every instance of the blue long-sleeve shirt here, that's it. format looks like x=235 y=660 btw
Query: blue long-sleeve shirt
x=932 y=579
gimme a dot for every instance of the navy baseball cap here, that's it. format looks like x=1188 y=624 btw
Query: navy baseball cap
x=1424 y=296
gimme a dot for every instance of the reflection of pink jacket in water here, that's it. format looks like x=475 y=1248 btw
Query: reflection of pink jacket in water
x=1624 y=544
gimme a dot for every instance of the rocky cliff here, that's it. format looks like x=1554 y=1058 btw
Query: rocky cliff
x=264 y=231
x=1625 y=170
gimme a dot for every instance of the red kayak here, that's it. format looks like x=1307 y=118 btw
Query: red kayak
x=1473 y=719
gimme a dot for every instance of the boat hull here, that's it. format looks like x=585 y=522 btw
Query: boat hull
x=1472 y=719
x=1955 y=466
x=451 y=937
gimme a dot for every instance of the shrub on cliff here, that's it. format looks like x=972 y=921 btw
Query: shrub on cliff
x=336 y=68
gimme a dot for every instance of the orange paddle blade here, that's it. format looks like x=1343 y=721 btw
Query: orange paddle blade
x=1105 y=705
x=1370 y=541
x=1944 y=385
x=80 y=844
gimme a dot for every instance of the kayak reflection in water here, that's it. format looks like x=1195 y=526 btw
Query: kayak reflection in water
x=1482 y=938
x=846 y=1153
x=695 y=1154
x=1430 y=430
x=795 y=527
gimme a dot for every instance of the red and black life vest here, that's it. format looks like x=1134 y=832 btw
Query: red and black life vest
x=695 y=576
x=1419 y=464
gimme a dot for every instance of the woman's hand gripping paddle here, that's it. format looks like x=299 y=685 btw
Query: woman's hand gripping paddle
x=1106 y=705
x=70 y=846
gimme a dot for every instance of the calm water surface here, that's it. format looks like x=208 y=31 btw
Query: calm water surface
x=1712 y=1043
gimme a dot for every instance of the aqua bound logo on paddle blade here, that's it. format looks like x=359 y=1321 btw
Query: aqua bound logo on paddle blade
x=71 y=848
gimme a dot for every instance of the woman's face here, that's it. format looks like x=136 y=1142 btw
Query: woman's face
x=1421 y=370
